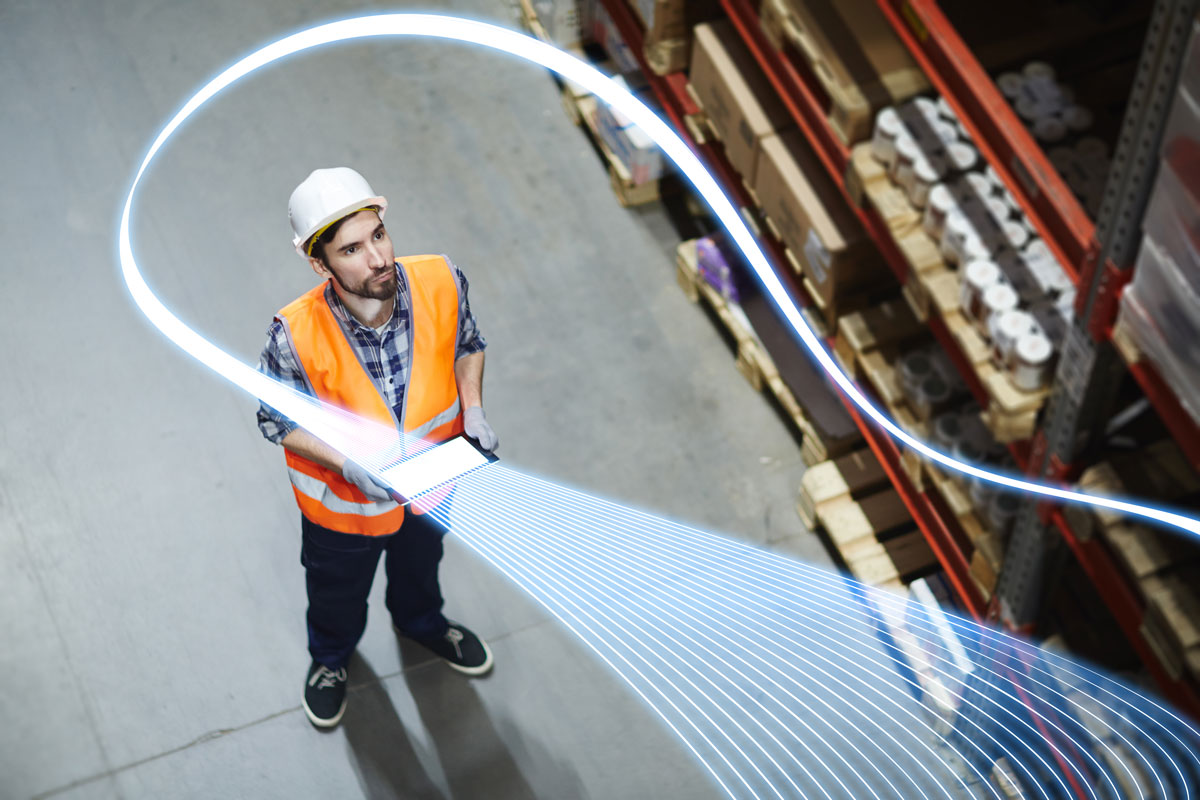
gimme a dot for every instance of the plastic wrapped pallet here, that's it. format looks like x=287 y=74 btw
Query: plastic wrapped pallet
x=561 y=19
x=629 y=143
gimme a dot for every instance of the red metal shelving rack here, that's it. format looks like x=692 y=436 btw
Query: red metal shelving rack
x=995 y=128
x=676 y=102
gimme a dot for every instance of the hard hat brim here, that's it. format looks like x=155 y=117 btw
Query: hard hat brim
x=298 y=242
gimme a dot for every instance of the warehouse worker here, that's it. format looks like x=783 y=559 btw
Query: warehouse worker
x=356 y=341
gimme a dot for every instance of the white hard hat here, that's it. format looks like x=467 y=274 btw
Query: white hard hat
x=326 y=196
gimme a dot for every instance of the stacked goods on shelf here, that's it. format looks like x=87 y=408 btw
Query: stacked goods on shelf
x=972 y=256
x=1061 y=125
x=1160 y=309
x=740 y=106
x=603 y=32
x=849 y=46
x=562 y=22
x=746 y=315
x=839 y=265
x=635 y=163
x=669 y=23
x=865 y=520
x=632 y=147
x=1163 y=564
x=888 y=348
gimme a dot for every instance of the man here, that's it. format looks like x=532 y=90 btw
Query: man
x=393 y=340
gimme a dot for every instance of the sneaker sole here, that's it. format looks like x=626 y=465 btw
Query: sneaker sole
x=483 y=668
x=318 y=721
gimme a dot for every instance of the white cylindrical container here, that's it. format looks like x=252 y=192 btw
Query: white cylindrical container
x=926 y=172
x=1005 y=330
x=997 y=209
x=1010 y=84
x=961 y=156
x=938 y=206
x=946 y=132
x=996 y=300
x=907 y=152
x=1015 y=234
x=1077 y=118
x=1049 y=129
x=888 y=127
x=978 y=185
x=994 y=179
x=945 y=111
x=927 y=107
x=958 y=228
x=980 y=247
x=977 y=278
x=1031 y=361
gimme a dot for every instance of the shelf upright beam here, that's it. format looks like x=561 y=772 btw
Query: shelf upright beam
x=995 y=128
x=1089 y=369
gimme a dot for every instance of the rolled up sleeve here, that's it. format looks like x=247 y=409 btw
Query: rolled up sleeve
x=470 y=340
x=277 y=361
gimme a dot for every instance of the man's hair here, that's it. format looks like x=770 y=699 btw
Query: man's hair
x=316 y=245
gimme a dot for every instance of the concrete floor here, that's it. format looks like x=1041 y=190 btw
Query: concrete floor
x=152 y=609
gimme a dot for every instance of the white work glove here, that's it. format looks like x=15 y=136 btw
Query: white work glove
x=476 y=426
x=363 y=480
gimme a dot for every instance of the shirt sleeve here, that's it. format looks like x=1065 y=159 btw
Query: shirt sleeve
x=278 y=362
x=470 y=340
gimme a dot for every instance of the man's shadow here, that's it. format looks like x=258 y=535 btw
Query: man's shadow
x=478 y=760
x=382 y=755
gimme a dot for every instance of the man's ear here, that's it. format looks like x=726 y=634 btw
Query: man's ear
x=318 y=266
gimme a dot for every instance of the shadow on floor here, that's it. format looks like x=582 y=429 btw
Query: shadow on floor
x=478 y=760
x=380 y=750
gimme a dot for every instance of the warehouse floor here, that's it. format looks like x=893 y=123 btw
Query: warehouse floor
x=153 y=600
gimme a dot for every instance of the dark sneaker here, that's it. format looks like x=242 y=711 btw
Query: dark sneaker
x=325 y=695
x=463 y=650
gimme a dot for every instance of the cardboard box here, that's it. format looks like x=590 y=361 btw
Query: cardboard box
x=853 y=44
x=813 y=218
x=740 y=103
x=669 y=26
x=561 y=20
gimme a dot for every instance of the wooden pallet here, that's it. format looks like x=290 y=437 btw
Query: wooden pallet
x=932 y=289
x=752 y=359
x=580 y=106
x=854 y=95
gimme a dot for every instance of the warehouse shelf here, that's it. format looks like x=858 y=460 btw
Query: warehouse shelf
x=1183 y=427
x=671 y=91
x=995 y=129
x=1129 y=610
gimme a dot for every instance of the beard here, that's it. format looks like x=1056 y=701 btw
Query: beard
x=372 y=288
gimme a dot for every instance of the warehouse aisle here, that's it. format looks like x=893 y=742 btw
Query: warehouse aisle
x=149 y=551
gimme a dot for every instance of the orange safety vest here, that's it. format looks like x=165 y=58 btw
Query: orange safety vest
x=432 y=410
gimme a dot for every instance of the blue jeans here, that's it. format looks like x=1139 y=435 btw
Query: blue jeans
x=339 y=570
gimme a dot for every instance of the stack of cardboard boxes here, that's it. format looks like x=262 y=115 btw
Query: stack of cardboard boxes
x=794 y=191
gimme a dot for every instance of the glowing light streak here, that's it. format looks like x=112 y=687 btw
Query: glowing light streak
x=693 y=600
x=721 y=589
x=654 y=525
x=375 y=446
x=719 y=586
x=577 y=71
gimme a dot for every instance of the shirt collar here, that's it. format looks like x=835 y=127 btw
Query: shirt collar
x=345 y=317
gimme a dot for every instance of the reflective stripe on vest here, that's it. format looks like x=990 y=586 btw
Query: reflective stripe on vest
x=332 y=368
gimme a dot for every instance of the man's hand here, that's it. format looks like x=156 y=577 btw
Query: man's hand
x=476 y=426
x=363 y=480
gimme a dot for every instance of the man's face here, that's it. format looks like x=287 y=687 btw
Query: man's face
x=360 y=258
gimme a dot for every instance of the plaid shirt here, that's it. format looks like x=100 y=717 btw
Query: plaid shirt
x=386 y=357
